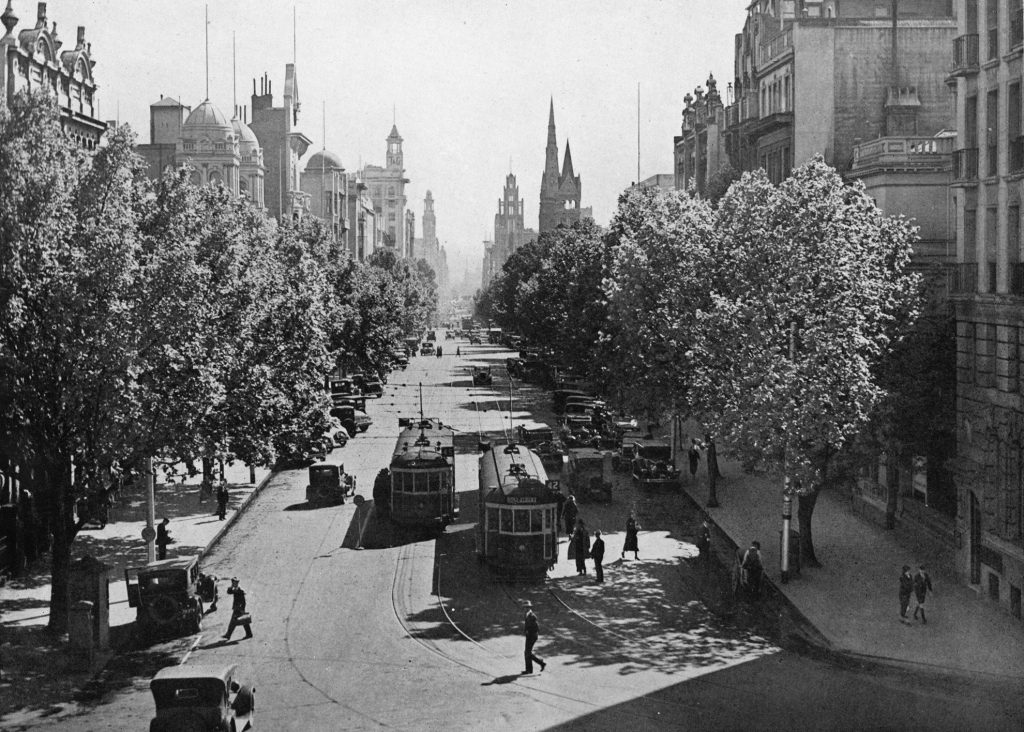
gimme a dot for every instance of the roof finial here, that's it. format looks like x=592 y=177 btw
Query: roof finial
x=9 y=18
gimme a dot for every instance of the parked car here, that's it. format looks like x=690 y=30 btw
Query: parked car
x=400 y=357
x=482 y=376
x=590 y=474
x=342 y=386
x=336 y=435
x=201 y=697
x=474 y=339
x=166 y=596
x=373 y=389
x=352 y=418
x=514 y=366
x=427 y=349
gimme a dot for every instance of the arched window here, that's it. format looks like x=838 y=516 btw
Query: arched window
x=215 y=178
x=391 y=190
x=196 y=178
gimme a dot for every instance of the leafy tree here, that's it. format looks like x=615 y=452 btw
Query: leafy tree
x=718 y=184
x=659 y=281
x=811 y=292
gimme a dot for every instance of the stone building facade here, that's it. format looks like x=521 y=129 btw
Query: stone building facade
x=283 y=146
x=560 y=190
x=32 y=60
x=819 y=77
x=510 y=232
x=387 y=188
x=327 y=184
x=988 y=169
x=699 y=152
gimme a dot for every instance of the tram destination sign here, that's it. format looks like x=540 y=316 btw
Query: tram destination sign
x=522 y=499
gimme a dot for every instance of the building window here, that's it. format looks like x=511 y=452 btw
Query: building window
x=992 y=132
x=971 y=16
x=992 y=13
x=1016 y=23
x=391 y=216
x=970 y=235
x=391 y=190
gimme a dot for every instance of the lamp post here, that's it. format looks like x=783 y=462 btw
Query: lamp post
x=787 y=514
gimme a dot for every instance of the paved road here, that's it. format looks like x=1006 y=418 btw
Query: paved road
x=410 y=633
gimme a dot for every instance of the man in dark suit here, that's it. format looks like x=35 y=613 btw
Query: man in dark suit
x=238 y=613
x=532 y=631
x=597 y=554
x=163 y=538
x=906 y=590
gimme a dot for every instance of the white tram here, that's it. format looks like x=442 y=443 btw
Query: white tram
x=423 y=475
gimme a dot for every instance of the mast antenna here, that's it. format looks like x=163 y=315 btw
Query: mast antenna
x=638 y=133
x=234 y=76
x=207 y=29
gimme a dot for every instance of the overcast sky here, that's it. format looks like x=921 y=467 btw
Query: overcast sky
x=470 y=80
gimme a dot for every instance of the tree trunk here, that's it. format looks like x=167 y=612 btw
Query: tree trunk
x=63 y=525
x=805 y=510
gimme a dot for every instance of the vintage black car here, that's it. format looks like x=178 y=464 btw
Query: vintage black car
x=199 y=698
x=167 y=597
x=400 y=357
x=514 y=366
x=329 y=484
x=352 y=418
x=482 y=376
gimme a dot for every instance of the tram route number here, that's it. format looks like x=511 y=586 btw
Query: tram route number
x=522 y=499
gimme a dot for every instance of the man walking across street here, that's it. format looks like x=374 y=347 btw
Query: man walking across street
x=532 y=631
x=922 y=586
x=597 y=554
x=238 y=614
x=906 y=590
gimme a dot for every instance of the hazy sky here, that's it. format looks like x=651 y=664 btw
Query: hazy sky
x=470 y=80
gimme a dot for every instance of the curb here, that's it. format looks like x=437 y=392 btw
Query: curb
x=811 y=635
x=230 y=520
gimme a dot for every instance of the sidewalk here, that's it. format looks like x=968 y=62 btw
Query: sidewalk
x=193 y=527
x=852 y=598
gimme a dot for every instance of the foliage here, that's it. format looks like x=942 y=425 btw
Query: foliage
x=658 y=282
x=811 y=291
x=719 y=182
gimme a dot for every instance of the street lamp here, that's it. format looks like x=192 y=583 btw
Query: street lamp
x=787 y=514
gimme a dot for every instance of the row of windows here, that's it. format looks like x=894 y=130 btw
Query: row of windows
x=422 y=481
x=520 y=520
x=1014 y=11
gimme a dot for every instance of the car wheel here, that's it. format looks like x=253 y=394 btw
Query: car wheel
x=363 y=428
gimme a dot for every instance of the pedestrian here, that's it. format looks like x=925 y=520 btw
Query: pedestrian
x=222 y=500
x=439 y=351
x=597 y=554
x=632 y=537
x=922 y=586
x=532 y=631
x=458 y=351
x=753 y=569
x=163 y=538
x=581 y=539
x=704 y=545
x=239 y=616
x=570 y=512
x=712 y=457
x=906 y=590
x=694 y=455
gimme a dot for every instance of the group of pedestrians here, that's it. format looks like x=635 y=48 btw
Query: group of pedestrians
x=916 y=586
x=580 y=546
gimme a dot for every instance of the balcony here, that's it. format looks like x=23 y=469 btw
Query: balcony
x=964 y=278
x=965 y=164
x=903 y=152
x=776 y=48
x=965 y=55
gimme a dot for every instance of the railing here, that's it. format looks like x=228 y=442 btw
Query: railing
x=965 y=53
x=776 y=47
x=965 y=278
x=965 y=164
x=906 y=150
x=1017 y=155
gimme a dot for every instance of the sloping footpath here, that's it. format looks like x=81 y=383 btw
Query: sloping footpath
x=852 y=599
x=35 y=673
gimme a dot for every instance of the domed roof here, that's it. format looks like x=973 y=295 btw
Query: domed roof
x=324 y=160
x=207 y=120
x=246 y=137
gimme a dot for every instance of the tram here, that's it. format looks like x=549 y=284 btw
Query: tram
x=517 y=531
x=422 y=491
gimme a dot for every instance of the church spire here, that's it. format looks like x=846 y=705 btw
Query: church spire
x=551 y=154
x=567 y=171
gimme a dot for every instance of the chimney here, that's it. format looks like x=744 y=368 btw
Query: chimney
x=41 y=16
x=80 y=43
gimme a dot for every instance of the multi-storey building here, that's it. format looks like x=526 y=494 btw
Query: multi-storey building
x=510 y=232
x=820 y=77
x=283 y=146
x=327 y=184
x=409 y=245
x=699 y=152
x=488 y=270
x=365 y=232
x=32 y=61
x=988 y=170
x=560 y=191
x=387 y=188
x=221 y=152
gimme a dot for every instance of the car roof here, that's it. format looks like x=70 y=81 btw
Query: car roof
x=173 y=563
x=199 y=671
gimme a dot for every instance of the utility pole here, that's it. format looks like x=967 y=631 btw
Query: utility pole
x=787 y=492
x=149 y=533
